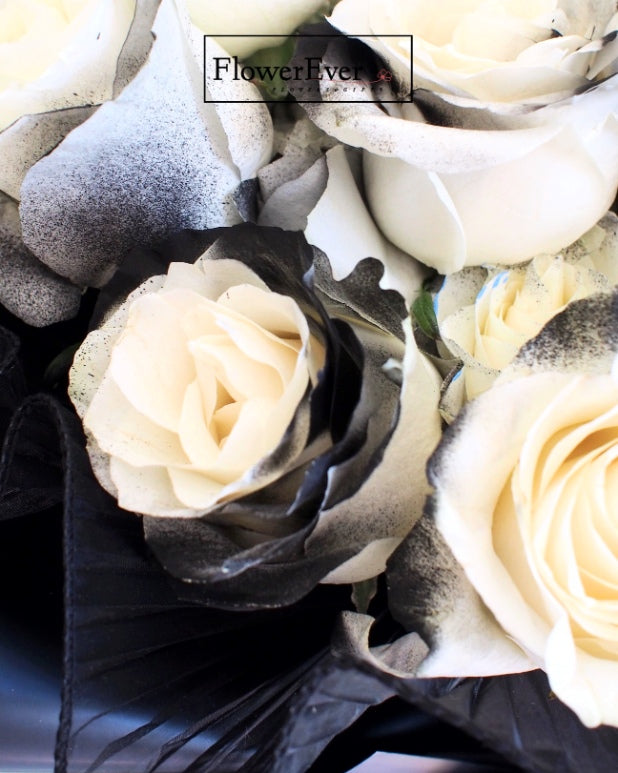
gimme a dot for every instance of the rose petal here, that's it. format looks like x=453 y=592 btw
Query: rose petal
x=341 y=226
x=394 y=490
x=429 y=593
x=252 y=23
x=146 y=488
x=248 y=127
x=152 y=370
x=81 y=73
x=28 y=288
x=125 y=433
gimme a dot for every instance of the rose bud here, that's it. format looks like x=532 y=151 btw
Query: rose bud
x=485 y=315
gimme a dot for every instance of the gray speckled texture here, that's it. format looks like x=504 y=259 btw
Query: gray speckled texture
x=582 y=338
x=149 y=163
x=32 y=137
x=29 y=289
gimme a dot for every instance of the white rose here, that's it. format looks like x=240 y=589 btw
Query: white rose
x=197 y=378
x=258 y=19
x=492 y=50
x=486 y=315
x=514 y=564
x=536 y=537
x=457 y=182
x=59 y=54
x=251 y=429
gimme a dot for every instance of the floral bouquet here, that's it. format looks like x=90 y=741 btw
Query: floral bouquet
x=309 y=380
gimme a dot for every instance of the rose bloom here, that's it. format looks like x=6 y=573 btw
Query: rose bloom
x=255 y=432
x=231 y=361
x=538 y=538
x=485 y=175
x=486 y=315
x=513 y=565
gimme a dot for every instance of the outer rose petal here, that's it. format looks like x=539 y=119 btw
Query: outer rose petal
x=85 y=71
x=401 y=472
x=341 y=226
x=492 y=215
x=29 y=289
x=328 y=206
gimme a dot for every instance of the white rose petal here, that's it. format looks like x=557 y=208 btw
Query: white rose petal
x=56 y=55
x=402 y=470
x=341 y=226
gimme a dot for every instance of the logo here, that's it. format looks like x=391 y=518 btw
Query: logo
x=352 y=74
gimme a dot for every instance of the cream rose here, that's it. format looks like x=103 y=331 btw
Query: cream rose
x=59 y=54
x=486 y=315
x=514 y=564
x=456 y=181
x=537 y=538
x=258 y=19
x=247 y=411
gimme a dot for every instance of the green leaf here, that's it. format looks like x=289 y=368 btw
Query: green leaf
x=425 y=316
x=277 y=56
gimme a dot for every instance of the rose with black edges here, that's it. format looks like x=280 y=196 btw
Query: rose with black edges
x=272 y=425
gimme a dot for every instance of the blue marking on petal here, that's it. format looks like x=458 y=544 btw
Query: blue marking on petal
x=500 y=278
x=436 y=302
x=457 y=375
